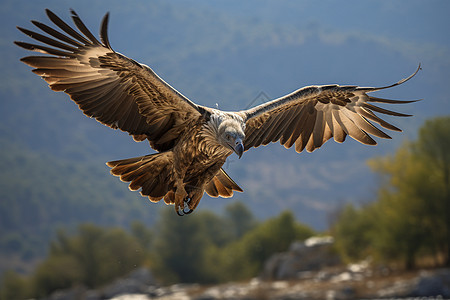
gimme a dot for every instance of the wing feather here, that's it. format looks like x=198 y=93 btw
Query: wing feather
x=274 y=129
x=283 y=128
x=222 y=185
x=267 y=128
x=328 y=134
x=384 y=111
x=340 y=133
x=312 y=115
x=307 y=129
x=365 y=125
x=354 y=131
x=106 y=85
x=46 y=40
x=80 y=25
x=65 y=27
x=44 y=49
x=291 y=124
x=56 y=34
x=302 y=117
x=371 y=116
x=319 y=130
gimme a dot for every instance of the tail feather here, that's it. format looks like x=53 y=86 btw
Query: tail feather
x=153 y=175
x=222 y=185
x=150 y=173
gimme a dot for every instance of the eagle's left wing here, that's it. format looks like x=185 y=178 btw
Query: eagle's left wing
x=106 y=85
x=312 y=115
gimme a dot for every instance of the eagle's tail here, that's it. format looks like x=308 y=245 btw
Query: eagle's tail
x=222 y=185
x=153 y=174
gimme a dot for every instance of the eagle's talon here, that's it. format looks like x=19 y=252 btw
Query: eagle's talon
x=180 y=211
x=187 y=212
x=186 y=209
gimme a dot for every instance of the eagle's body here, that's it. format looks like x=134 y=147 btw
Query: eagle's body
x=192 y=141
x=182 y=174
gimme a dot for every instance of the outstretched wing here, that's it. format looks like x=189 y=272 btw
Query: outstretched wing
x=312 y=115
x=106 y=85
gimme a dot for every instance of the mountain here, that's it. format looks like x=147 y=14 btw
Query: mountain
x=226 y=52
x=41 y=194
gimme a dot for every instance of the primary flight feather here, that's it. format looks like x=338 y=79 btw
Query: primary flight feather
x=192 y=141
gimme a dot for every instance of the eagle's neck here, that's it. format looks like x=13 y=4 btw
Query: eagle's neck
x=211 y=134
x=210 y=130
x=218 y=117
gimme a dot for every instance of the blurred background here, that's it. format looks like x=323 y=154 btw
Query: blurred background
x=65 y=221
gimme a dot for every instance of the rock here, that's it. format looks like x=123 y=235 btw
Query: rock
x=310 y=255
x=137 y=282
x=140 y=281
x=433 y=284
x=132 y=297
x=75 y=293
x=343 y=293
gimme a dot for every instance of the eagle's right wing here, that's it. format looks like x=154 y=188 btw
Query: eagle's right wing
x=312 y=115
x=106 y=85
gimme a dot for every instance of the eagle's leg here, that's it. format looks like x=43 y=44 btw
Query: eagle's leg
x=186 y=206
x=182 y=200
x=184 y=210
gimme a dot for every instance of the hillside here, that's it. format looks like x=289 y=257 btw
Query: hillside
x=40 y=194
x=228 y=53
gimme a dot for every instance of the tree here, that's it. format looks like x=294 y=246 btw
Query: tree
x=245 y=257
x=352 y=231
x=414 y=200
x=57 y=272
x=411 y=217
x=240 y=219
x=143 y=234
x=180 y=248
x=14 y=286
x=92 y=257
x=190 y=249
x=434 y=146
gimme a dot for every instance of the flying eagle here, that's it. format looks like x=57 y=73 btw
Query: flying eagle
x=192 y=141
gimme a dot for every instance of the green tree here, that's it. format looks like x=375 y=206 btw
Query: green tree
x=92 y=257
x=411 y=216
x=352 y=231
x=56 y=272
x=433 y=147
x=119 y=253
x=216 y=228
x=244 y=258
x=14 y=286
x=189 y=249
x=179 y=248
x=240 y=219
x=142 y=234
x=206 y=247
x=414 y=200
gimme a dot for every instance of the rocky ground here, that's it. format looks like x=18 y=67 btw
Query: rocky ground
x=308 y=270
x=330 y=284
x=322 y=285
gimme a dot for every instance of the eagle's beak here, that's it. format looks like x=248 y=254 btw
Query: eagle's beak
x=238 y=147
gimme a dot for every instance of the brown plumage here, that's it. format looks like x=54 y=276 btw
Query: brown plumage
x=192 y=141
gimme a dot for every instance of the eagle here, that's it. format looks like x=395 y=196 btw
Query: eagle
x=192 y=142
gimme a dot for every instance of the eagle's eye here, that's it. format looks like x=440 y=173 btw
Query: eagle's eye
x=228 y=137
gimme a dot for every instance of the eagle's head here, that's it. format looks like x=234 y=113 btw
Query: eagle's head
x=231 y=135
